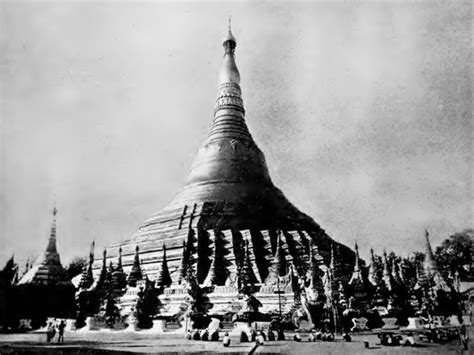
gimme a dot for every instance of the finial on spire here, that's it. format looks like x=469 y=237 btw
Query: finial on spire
x=55 y=210
x=230 y=20
x=229 y=41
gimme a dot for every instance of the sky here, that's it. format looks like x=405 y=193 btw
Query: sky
x=362 y=109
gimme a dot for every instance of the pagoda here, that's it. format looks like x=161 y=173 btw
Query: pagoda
x=46 y=290
x=228 y=210
x=431 y=268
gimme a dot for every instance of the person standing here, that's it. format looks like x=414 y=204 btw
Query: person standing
x=464 y=337
x=49 y=332
x=61 y=327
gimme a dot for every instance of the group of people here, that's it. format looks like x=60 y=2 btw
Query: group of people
x=321 y=334
x=202 y=334
x=52 y=328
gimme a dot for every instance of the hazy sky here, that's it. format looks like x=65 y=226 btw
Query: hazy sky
x=363 y=110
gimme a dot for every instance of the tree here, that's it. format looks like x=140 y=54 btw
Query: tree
x=76 y=266
x=455 y=254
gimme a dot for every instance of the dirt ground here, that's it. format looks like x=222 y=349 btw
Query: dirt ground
x=123 y=342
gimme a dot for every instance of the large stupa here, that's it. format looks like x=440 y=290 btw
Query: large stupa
x=228 y=203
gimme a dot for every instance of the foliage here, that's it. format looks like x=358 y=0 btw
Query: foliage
x=76 y=266
x=455 y=254
x=147 y=306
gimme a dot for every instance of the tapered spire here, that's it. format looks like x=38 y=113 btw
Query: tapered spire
x=87 y=278
x=211 y=274
x=279 y=265
x=50 y=271
x=229 y=158
x=387 y=276
x=182 y=266
x=316 y=286
x=104 y=280
x=373 y=277
x=429 y=263
x=164 y=278
x=51 y=248
x=118 y=277
x=119 y=260
x=136 y=272
x=356 y=265
x=357 y=273
x=247 y=274
x=51 y=253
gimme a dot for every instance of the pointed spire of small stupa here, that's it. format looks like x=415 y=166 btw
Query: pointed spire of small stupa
x=164 y=278
x=331 y=261
x=87 y=278
x=387 y=277
x=182 y=265
x=118 y=279
x=119 y=260
x=356 y=273
x=372 y=276
x=136 y=272
x=356 y=265
x=51 y=248
x=103 y=271
x=247 y=275
x=211 y=274
x=278 y=266
x=429 y=264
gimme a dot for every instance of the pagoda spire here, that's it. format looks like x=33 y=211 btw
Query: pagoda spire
x=49 y=271
x=373 y=279
x=182 y=266
x=136 y=272
x=331 y=261
x=118 y=278
x=316 y=286
x=279 y=265
x=87 y=278
x=429 y=263
x=51 y=253
x=387 y=277
x=164 y=278
x=119 y=260
x=211 y=274
x=396 y=272
x=103 y=282
x=247 y=275
x=356 y=274
x=103 y=271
